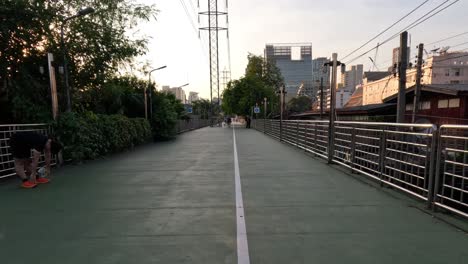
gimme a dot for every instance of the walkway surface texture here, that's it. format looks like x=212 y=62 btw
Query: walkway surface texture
x=174 y=202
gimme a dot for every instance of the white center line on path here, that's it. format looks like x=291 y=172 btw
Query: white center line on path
x=242 y=245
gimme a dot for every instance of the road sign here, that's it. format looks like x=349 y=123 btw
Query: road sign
x=189 y=110
x=257 y=110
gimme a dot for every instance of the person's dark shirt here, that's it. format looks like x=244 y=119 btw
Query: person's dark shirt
x=31 y=140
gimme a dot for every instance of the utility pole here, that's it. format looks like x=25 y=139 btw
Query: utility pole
x=331 y=125
x=417 y=91
x=282 y=93
x=212 y=15
x=401 y=108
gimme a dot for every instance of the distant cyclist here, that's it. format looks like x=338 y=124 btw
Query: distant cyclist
x=21 y=144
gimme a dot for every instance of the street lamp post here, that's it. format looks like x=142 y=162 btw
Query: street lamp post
x=148 y=91
x=282 y=93
x=80 y=13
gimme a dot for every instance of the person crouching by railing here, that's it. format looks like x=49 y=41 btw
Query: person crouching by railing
x=21 y=144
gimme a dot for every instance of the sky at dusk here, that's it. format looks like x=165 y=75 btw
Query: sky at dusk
x=331 y=26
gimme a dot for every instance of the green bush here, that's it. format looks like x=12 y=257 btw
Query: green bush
x=88 y=136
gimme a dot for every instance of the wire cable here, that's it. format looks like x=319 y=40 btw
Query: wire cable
x=452 y=37
x=458 y=45
x=417 y=22
x=189 y=16
x=387 y=29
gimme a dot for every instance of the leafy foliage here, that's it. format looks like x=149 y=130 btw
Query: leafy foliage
x=299 y=104
x=88 y=136
x=166 y=111
x=97 y=46
x=261 y=80
x=201 y=108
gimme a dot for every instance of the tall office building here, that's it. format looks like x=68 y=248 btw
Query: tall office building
x=350 y=79
x=320 y=73
x=396 y=56
x=178 y=92
x=295 y=63
x=193 y=97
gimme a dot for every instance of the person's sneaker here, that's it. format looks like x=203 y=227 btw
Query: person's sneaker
x=42 y=180
x=28 y=184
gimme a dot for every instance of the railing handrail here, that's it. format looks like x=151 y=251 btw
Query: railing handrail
x=365 y=123
x=455 y=126
x=426 y=164
x=23 y=125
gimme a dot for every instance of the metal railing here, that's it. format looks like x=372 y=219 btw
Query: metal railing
x=191 y=124
x=7 y=165
x=452 y=169
x=417 y=159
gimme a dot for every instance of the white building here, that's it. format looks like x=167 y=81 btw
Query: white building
x=447 y=68
x=178 y=92
x=352 y=78
x=193 y=97
x=349 y=81
x=342 y=97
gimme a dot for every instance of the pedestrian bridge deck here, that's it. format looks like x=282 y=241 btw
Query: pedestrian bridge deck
x=174 y=202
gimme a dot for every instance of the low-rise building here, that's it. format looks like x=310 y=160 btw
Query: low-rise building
x=439 y=104
x=447 y=68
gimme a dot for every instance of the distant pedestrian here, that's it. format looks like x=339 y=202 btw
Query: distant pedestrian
x=229 y=121
x=21 y=144
x=247 y=121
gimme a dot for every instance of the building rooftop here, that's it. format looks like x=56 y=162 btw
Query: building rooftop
x=449 y=89
x=356 y=98
x=374 y=76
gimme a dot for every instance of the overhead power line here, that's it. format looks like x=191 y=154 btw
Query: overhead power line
x=187 y=13
x=452 y=37
x=458 y=45
x=387 y=29
x=417 y=22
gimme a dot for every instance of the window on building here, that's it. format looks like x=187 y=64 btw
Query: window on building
x=426 y=105
x=454 y=82
x=443 y=103
x=453 y=103
x=296 y=53
x=456 y=72
x=447 y=72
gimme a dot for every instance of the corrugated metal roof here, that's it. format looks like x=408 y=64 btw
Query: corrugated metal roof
x=356 y=98
x=374 y=76
x=450 y=89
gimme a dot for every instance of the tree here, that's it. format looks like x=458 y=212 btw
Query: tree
x=299 y=104
x=98 y=45
x=268 y=72
x=201 y=108
x=166 y=111
x=261 y=81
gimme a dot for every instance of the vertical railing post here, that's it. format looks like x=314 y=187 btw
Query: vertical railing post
x=353 y=148
x=281 y=130
x=440 y=161
x=433 y=155
x=382 y=152
x=315 y=138
x=297 y=133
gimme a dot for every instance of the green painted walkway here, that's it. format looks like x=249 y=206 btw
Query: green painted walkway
x=174 y=202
